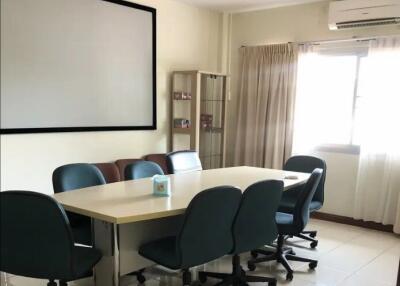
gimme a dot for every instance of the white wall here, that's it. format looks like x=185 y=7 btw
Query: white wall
x=187 y=37
x=296 y=24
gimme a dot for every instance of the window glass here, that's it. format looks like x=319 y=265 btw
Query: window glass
x=325 y=99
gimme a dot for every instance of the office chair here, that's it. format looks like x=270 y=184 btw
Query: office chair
x=138 y=170
x=160 y=159
x=36 y=240
x=305 y=164
x=183 y=162
x=254 y=226
x=122 y=163
x=75 y=176
x=291 y=224
x=205 y=234
x=109 y=171
x=142 y=169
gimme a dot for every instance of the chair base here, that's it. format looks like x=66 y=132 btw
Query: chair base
x=308 y=235
x=139 y=275
x=186 y=277
x=238 y=276
x=281 y=256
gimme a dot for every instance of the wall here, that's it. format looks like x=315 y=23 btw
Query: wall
x=188 y=38
x=296 y=24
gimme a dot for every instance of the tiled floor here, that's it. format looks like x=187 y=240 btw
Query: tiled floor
x=348 y=256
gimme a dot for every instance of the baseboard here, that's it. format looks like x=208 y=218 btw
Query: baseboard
x=352 y=221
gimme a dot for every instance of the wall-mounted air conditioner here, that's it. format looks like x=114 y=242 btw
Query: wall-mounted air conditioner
x=361 y=13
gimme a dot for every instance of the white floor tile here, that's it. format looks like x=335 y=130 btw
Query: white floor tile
x=347 y=255
x=383 y=268
x=322 y=275
x=356 y=280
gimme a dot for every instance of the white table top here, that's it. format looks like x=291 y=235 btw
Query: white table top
x=131 y=201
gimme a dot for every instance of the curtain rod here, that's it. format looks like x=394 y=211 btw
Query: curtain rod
x=353 y=39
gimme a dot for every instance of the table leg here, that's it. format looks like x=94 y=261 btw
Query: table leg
x=106 y=239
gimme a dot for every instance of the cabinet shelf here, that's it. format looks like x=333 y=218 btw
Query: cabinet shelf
x=212 y=129
x=213 y=100
x=182 y=130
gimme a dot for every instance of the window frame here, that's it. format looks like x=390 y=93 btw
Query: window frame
x=360 y=52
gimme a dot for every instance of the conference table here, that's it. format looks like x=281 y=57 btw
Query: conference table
x=126 y=214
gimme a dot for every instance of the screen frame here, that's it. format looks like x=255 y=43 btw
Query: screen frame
x=153 y=126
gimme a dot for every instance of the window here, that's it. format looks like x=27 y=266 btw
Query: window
x=327 y=99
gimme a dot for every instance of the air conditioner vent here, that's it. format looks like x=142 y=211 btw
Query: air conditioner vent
x=373 y=22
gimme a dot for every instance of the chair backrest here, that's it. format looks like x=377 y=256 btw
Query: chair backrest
x=307 y=164
x=160 y=159
x=109 y=171
x=142 y=169
x=36 y=240
x=122 y=163
x=206 y=232
x=75 y=176
x=183 y=162
x=255 y=225
x=301 y=213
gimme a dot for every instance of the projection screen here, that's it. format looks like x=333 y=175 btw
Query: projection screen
x=77 y=65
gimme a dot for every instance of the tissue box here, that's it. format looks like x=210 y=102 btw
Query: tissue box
x=161 y=186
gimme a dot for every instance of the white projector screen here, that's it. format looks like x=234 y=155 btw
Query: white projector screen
x=77 y=65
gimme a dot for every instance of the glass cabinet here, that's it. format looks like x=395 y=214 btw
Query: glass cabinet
x=198 y=115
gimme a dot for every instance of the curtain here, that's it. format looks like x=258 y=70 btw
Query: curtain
x=266 y=105
x=378 y=184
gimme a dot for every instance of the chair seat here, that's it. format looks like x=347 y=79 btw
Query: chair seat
x=84 y=259
x=284 y=218
x=288 y=202
x=162 y=251
x=285 y=223
x=82 y=233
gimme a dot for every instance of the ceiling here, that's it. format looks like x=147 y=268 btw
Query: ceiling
x=244 y=5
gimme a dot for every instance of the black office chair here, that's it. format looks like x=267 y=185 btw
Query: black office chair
x=36 y=240
x=142 y=169
x=183 y=162
x=305 y=164
x=291 y=224
x=76 y=176
x=205 y=234
x=139 y=170
x=254 y=226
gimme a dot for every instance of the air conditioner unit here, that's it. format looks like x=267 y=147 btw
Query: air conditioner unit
x=362 y=13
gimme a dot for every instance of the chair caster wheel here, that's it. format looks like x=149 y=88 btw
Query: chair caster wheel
x=202 y=277
x=62 y=283
x=289 y=276
x=51 y=283
x=254 y=254
x=313 y=235
x=314 y=244
x=313 y=265
x=251 y=266
x=141 y=279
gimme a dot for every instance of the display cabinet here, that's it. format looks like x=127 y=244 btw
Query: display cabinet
x=198 y=115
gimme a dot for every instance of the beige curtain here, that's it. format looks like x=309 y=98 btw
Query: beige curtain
x=266 y=105
x=378 y=183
